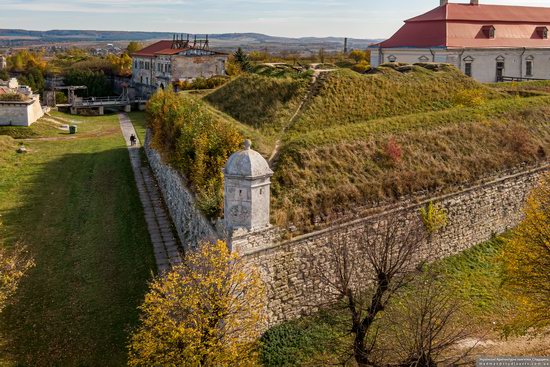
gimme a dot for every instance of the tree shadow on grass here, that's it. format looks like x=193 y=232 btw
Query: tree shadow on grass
x=82 y=221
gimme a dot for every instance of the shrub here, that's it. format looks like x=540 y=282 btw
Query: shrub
x=359 y=55
x=12 y=97
x=301 y=341
x=195 y=142
x=361 y=67
x=61 y=98
x=434 y=217
x=393 y=150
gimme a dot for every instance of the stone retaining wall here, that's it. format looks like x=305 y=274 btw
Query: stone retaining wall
x=289 y=267
x=192 y=226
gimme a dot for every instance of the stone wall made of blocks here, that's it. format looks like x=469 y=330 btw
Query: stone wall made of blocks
x=191 y=225
x=290 y=268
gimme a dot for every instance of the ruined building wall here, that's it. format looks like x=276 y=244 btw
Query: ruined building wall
x=185 y=67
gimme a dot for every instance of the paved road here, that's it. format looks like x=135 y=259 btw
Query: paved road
x=158 y=221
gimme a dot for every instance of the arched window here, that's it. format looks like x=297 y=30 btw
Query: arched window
x=392 y=58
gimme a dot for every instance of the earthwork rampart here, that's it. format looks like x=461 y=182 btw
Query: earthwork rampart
x=287 y=264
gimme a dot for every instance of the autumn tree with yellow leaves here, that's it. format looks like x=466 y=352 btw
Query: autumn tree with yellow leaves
x=209 y=311
x=526 y=259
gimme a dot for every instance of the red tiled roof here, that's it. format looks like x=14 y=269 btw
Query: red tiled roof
x=460 y=25
x=164 y=48
x=153 y=49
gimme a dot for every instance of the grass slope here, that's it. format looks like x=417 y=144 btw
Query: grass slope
x=347 y=97
x=74 y=204
x=262 y=102
x=325 y=172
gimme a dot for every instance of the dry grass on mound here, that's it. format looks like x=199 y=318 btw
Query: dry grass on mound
x=264 y=103
x=322 y=175
x=6 y=143
x=346 y=97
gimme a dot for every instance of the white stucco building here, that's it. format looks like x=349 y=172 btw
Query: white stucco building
x=22 y=112
x=488 y=42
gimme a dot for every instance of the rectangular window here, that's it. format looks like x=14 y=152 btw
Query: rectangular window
x=468 y=69
x=529 y=68
x=500 y=71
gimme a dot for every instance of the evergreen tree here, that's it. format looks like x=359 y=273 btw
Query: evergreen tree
x=241 y=58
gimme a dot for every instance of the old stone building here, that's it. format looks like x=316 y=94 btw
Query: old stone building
x=166 y=62
x=487 y=42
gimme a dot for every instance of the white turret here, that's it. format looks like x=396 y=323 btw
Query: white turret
x=247 y=190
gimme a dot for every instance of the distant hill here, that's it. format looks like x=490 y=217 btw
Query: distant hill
x=21 y=37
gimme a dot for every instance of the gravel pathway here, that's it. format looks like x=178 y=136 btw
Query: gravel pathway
x=166 y=247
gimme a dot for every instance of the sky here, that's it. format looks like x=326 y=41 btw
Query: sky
x=292 y=18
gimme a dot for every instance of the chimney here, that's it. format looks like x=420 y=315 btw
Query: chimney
x=443 y=2
x=474 y=2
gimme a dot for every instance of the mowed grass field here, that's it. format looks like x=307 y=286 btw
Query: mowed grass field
x=73 y=203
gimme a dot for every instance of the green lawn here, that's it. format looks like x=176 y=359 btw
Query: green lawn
x=74 y=204
x=140 y=124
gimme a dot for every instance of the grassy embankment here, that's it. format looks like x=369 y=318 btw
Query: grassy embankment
x=73 y=203
x=474 y=277
x=366 y=139
x=260 y=106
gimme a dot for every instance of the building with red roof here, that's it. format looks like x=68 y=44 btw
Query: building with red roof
x=167 y=62
x=487 y=42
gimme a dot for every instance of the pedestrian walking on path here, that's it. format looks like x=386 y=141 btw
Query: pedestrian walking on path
x=164 y=242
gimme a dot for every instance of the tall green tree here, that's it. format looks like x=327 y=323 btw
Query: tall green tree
x=241 y=58
x=97 y=82
x=133 y=47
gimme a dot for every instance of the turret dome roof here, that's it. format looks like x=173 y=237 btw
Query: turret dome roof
x=247 y=163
